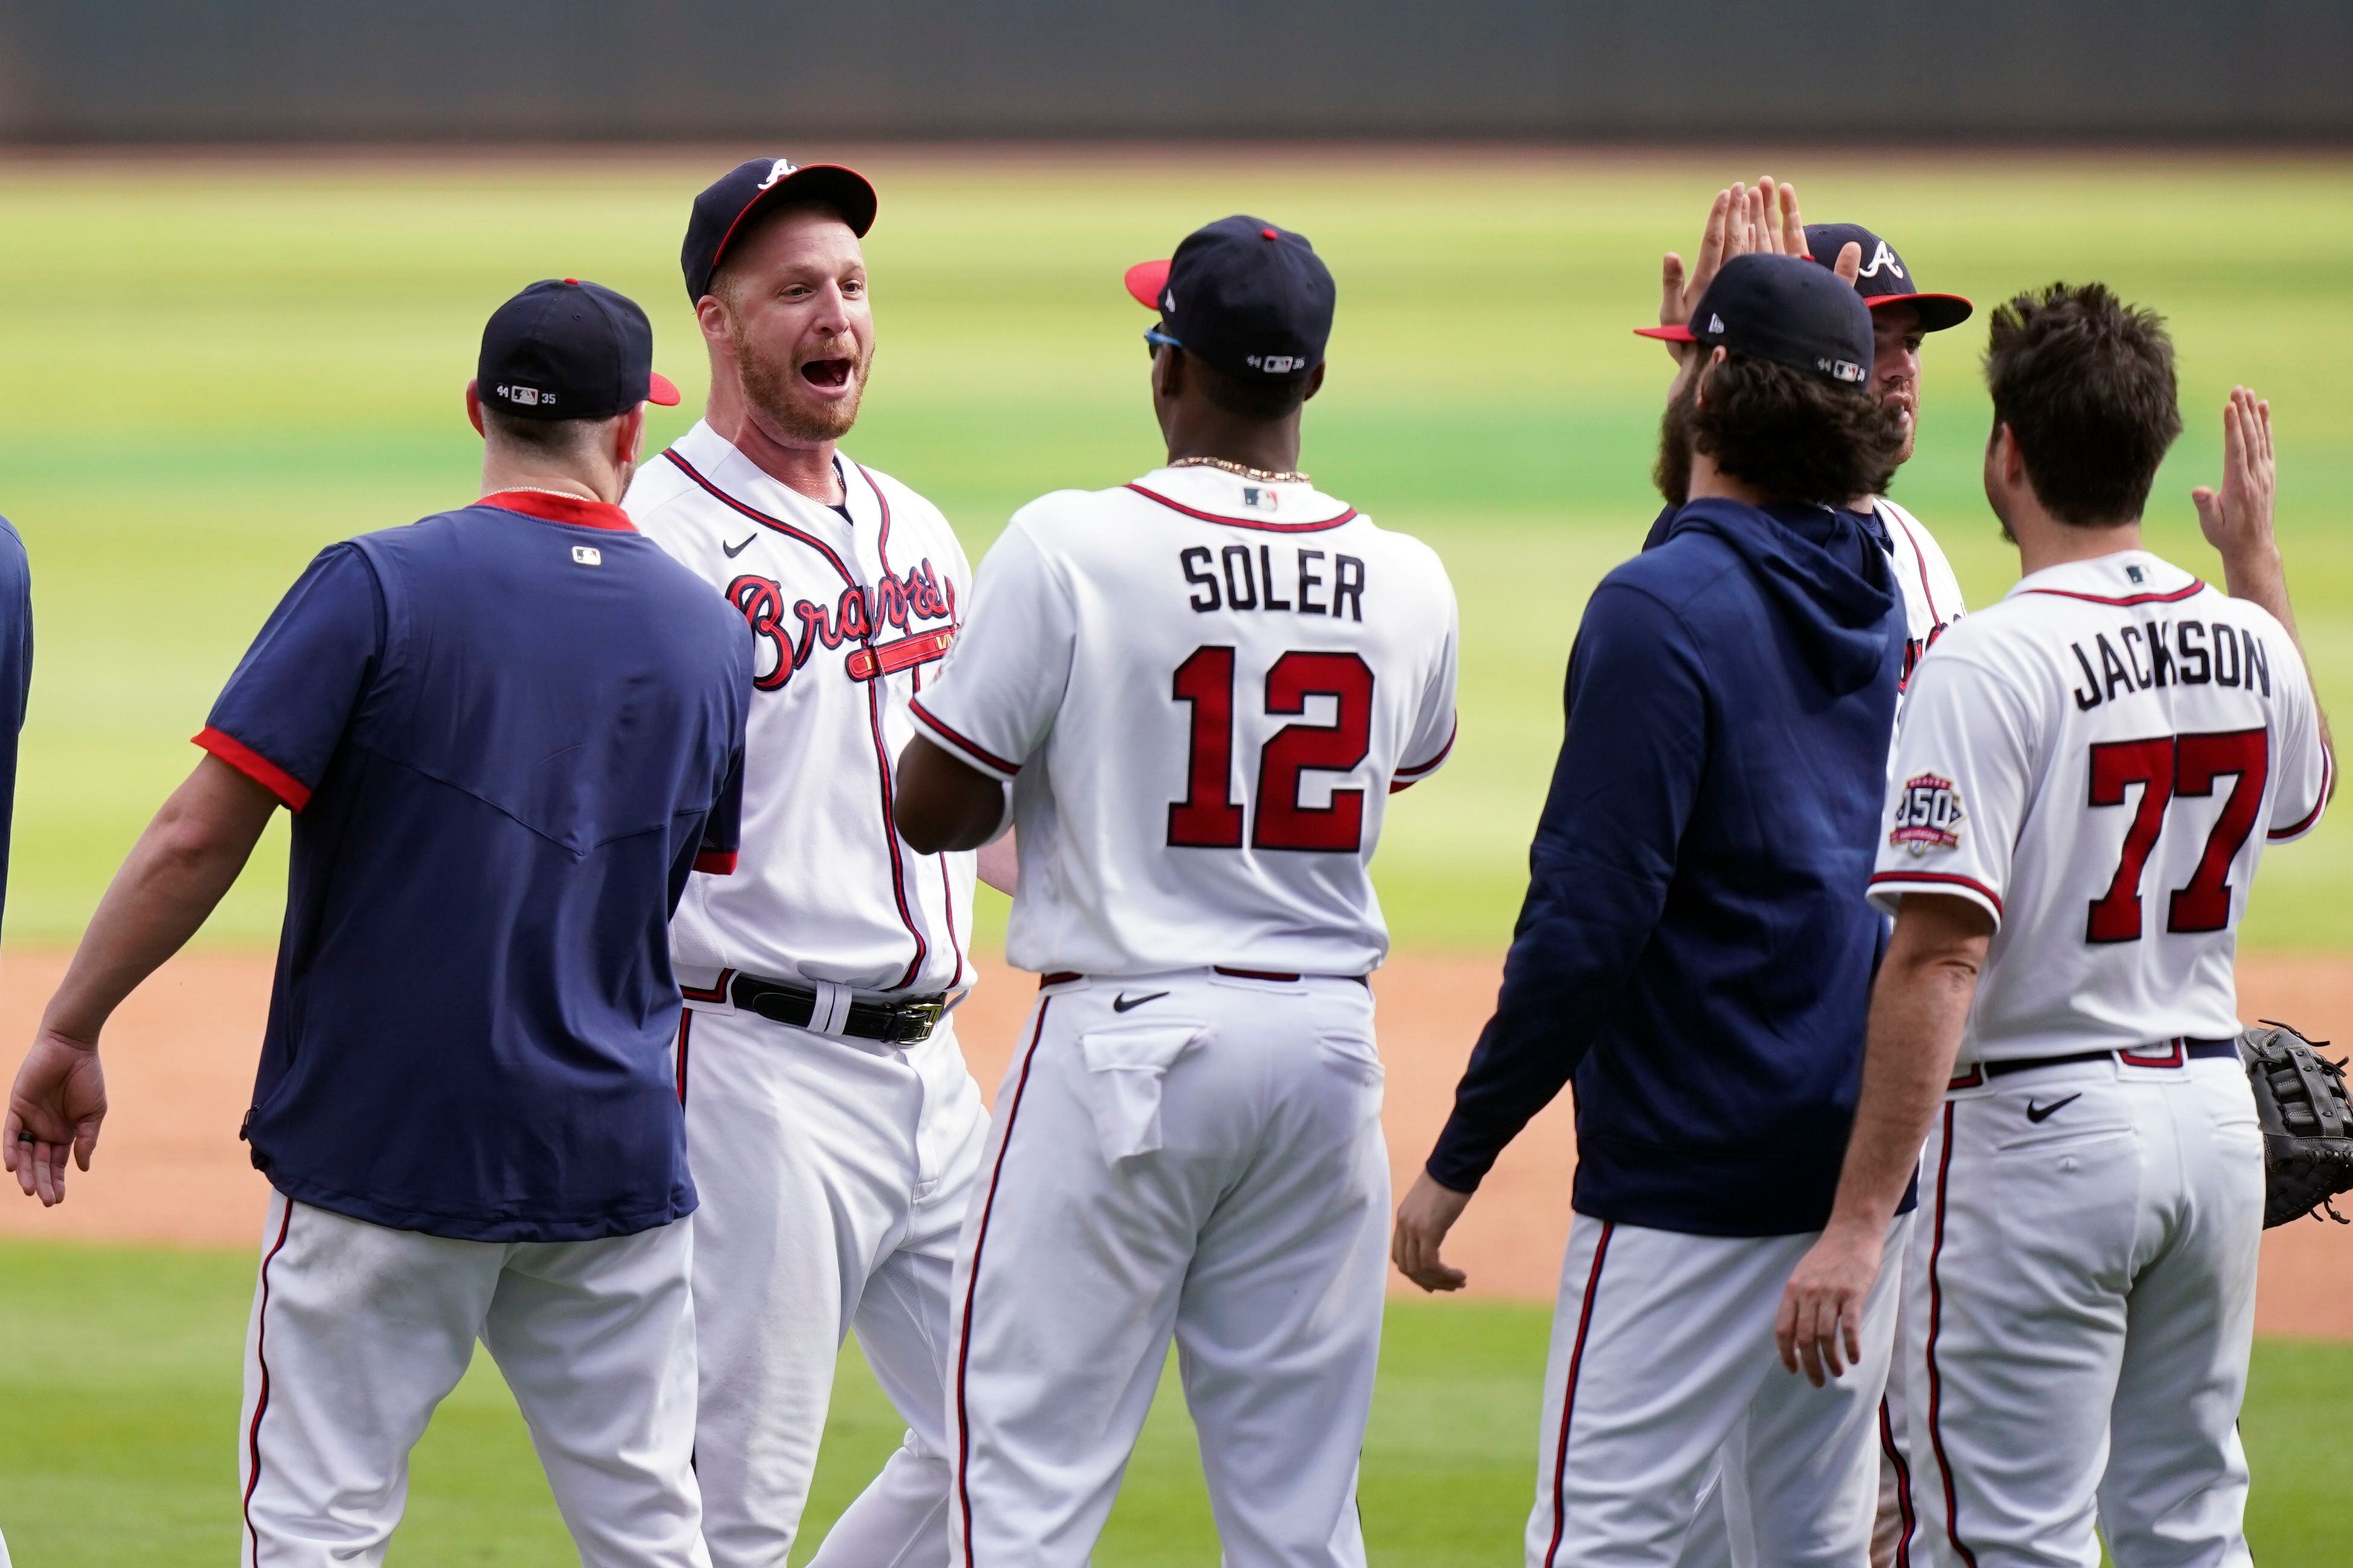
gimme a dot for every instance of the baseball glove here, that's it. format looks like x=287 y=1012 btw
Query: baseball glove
x=2306 y=1121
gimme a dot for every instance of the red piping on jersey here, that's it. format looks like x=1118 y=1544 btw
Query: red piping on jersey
x=685 y=1024
x=986 y=758
x=1888 y=1446
x=2173 y=598
x=890 y=803
x=1245 y=522
x=1949 y=877
x=261 y=1400
x=254 y=766
x=1406 y=778
x=972 y=1281
x=578 y=511
x=1059 y=977
x=1936 y=1327
x=873 y=705
x=716 y=862
x=1568 y=1393
x=1920 y=563
x=2328 y=772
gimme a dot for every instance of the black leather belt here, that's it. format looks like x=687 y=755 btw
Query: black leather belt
x=893 y=1023
x=2173 y=1053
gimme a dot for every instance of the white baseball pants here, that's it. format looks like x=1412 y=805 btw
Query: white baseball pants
x=833 y=1175
x=359 y=1330
x=2084 y=1293
x=1664 y=1372
x=1189 y=1154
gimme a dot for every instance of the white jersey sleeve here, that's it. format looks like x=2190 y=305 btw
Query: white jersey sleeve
x=1433 y=732
x=1965 y=755
x=2306 y=771
x=1012 y=660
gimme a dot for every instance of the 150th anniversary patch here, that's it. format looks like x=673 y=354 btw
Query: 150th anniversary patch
x=1928 y=815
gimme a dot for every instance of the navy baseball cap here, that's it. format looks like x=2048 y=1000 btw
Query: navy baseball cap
x=563 y=349
x=1885 y=279
x=1248 y=298
x=727 y=204
x=1784 y=309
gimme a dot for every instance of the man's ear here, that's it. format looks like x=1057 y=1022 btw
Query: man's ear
x=711 y=315
x=1169 y=372
x=629 y=435
x=2002 y=451
x=474 y=410
x=1315 y=378
x=1699 y=387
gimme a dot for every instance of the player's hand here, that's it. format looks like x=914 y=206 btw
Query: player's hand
x=1743 y=218
x=2237 y=518
x=59 y=1100
x=1820 y=1324
x=1425 y=1216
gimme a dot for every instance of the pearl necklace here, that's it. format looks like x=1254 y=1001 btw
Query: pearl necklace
x=1263 y=475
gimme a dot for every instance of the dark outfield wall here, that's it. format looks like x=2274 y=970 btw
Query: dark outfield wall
x=411 y=70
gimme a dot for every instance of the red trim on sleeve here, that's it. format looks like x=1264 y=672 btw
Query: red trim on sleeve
x=1949 y=878
x=578 y=511
x=254 y=766
x=718 y=862
x=2312 y=818
x=986 y=759
x=1406 y=778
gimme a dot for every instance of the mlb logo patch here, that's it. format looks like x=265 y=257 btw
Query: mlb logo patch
x=588 y=555
x=1928 y=815
x=1260 y=498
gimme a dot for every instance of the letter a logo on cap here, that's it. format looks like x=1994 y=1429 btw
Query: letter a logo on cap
x=785 y=165
x=1883 y=257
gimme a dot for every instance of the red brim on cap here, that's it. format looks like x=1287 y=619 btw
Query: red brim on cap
x=1667 y=334
x=661 y=389
x=1144 y=282
x=1937 y=312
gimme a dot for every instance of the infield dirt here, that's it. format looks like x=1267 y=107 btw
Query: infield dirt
x=180 y=1055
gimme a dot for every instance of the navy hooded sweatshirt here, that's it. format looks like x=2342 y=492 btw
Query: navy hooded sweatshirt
x=1695 y=950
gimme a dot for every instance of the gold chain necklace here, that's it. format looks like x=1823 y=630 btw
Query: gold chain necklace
x=1263 y=475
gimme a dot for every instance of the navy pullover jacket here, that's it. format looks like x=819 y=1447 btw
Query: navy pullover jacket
x=1695 y=950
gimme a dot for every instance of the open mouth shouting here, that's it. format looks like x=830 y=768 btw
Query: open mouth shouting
x=832 y=376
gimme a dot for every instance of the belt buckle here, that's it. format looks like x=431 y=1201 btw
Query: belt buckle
x=912 y=1022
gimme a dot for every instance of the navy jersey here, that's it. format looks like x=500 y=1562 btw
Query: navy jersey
x=16 y=675
x=509 y=734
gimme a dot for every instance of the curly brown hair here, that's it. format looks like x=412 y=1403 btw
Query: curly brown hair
x=1794 y=435
x=2086 y=383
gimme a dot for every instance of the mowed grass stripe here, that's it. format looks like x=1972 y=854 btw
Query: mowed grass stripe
x=123 y=1365
x=217 y=368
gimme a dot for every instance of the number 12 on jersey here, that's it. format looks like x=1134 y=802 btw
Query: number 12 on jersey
x=1209 y=817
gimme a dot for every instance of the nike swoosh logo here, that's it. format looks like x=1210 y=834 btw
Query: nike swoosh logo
x=1122 y=1002
x=2043 y=1113
x=732 y=550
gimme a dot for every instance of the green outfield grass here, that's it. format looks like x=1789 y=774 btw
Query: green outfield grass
x=123 y=1365
x=211 y=370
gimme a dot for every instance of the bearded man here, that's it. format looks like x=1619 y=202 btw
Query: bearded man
x=831 y=1125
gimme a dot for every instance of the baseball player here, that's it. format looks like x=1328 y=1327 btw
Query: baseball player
x=834 y=1128
x=1767 y=217
x=1202 y=686
x=1696 y=951
x=507 y=735
x=2087 y=776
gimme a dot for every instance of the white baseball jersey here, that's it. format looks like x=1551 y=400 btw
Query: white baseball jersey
x=851 y=615
x=2097 y=761
x=1932 y=594
x=1203 y=688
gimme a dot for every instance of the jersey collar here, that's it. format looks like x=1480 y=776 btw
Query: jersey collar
x=2125 y=578
x=719 y=461
x=1222 y=497
x=578 y=511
